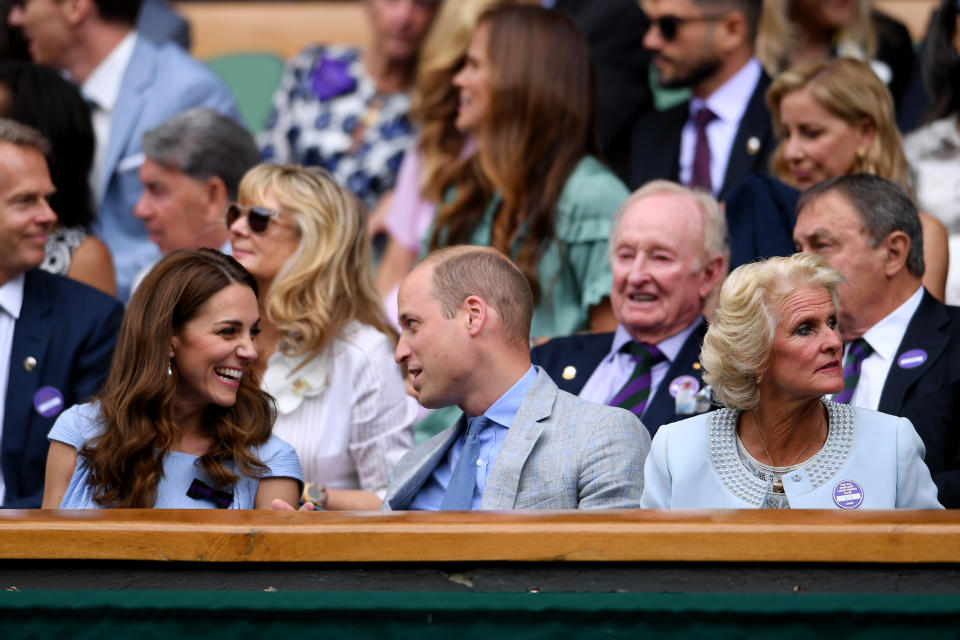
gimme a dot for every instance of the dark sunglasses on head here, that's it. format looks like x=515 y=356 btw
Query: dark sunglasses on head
x=668 y=25
x=257 y=217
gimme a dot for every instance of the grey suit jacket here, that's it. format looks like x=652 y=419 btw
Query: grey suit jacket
x=560 y=453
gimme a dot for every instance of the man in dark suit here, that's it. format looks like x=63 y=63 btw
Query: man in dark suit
x=723 y=133
x=56 y=335
x=903 y=346
x=667 y=252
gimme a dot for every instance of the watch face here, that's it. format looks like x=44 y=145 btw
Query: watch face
x=312 y=493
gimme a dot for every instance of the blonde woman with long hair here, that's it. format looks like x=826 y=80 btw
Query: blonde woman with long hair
x=326 y=349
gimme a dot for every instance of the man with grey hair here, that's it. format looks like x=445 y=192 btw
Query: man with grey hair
x=668 y=251
x=523 y=444
x=193 y=166
x=56 y=335
x=902 y=353
x=723 y=132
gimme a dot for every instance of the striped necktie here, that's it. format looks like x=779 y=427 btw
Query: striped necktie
x=858 y=351
x=463 y=480
x=635 y=393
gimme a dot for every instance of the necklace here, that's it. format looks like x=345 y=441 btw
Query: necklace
x=778 y=481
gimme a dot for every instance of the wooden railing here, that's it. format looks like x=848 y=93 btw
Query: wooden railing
x=284 y=28
x=603 y=536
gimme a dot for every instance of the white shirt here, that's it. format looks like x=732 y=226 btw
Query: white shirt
x=103 y=89
x=11 y=302
x=885 y=338
x=617 y=367
x=346 y=411
x=729 y=103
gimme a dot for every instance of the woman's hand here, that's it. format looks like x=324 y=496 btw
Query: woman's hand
x=279 y=504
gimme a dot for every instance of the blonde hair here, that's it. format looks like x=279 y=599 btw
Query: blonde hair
x=777 y=35
x=737 y=346
x=327 y=282
x=851 y=91
x=435 y=99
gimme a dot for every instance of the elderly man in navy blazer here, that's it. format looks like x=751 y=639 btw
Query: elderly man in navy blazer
x=132 y=84
x=902 y=353
x=668 y=251
x=523 y=444
x=56 y=335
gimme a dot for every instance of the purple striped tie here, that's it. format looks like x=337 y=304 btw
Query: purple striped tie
x=635 y=393
x=700 y=177
x=858 y=351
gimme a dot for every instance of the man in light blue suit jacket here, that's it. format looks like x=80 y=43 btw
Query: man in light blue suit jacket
x=465 y=316
x=133 y=85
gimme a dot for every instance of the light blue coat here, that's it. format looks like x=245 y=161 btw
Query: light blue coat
x=694 y=464
x=160 y=82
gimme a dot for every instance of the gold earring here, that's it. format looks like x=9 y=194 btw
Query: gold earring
x=861 y=154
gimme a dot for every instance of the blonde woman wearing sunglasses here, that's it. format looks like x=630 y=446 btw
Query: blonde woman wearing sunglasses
x=326 y=349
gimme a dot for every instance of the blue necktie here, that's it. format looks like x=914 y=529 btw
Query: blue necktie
x=463 y=481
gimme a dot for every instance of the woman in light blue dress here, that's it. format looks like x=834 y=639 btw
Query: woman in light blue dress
x=181 y=421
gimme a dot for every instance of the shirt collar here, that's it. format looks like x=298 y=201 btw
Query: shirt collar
x=670 y=347
x=885 y=336
x=505 y=408
x=11 y=296
x=730 y=100
x=103 y=85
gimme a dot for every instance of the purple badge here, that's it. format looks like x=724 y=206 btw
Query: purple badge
x=848 y=494
x=684 y=382
x=48 y=401
x=912 y=359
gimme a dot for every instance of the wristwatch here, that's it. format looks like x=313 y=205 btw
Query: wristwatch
x=315 y=493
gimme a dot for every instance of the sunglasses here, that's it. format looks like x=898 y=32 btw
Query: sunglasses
x=669 y=25
x=257 y=217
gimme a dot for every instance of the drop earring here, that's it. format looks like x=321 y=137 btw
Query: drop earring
x=170 y=368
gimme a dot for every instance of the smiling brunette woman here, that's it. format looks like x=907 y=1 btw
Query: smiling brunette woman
x=771 y=354
x=181 y=421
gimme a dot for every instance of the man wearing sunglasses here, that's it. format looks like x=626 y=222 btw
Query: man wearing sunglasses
x=192 y=170
x=723 y=132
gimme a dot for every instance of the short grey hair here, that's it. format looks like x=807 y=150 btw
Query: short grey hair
x=884 y=207
x=716 y=240
x=737 y=346
x=21 y=135
x=203 y=143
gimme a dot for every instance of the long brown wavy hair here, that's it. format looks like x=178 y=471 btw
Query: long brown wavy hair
x=540 y=124
x=137 y=401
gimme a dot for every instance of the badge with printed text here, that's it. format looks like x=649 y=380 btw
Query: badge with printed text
x=848 y=494
x=48 y=401
x=912 y=359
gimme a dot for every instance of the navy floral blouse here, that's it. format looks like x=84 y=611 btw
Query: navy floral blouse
x=327 y=112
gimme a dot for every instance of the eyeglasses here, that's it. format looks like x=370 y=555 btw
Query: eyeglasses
x=668 y=25
x=257 y=217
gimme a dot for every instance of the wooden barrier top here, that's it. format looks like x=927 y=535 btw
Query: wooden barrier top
x=597 y=536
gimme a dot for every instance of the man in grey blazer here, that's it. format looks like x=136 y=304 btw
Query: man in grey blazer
x=523 y=444
x=132 y=84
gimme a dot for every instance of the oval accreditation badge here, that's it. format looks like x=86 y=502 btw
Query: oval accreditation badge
x=684 y=382
x=912 y=359
x=48 y=401
x=848 y=494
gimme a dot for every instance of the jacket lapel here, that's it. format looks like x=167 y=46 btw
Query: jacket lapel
x=137 y=77
x=414 y=474
x=662 y=409
x=30 y=337
x=504 y=479
x=928 y=331
x=755 y=123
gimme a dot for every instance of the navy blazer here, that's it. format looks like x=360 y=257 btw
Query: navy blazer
x=761 y=213
x=585 y=351
x=929 y=395
x=69 y=330
x=655 y=143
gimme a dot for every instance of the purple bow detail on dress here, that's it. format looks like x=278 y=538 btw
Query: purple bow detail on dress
x=200 y=490
x=331 y=78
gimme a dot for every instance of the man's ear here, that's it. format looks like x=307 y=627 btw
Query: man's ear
x=897 y=246
x=475 y=314
x=215 y=193
x=713 y=273
x=732 y=32
x=76 y=11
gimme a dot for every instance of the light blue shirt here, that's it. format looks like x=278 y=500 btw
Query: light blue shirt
x=501 y=412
